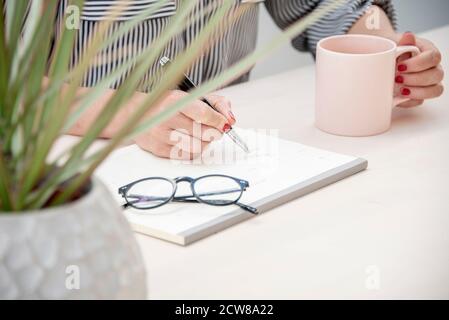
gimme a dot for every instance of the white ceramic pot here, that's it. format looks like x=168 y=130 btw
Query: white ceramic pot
x=82 y=250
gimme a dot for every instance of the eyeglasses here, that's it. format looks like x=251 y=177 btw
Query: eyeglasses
x=214 y=190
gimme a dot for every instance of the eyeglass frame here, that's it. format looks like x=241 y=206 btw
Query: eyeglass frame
x=174 y=182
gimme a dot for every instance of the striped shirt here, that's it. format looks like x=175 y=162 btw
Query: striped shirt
x=235 y=41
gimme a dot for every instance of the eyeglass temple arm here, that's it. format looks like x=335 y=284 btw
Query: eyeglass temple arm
x=152 y=198
x=189 y=199
x=140 y=198
x=246 y=207
x=125 y=205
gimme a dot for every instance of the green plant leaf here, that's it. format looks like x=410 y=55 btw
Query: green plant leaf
x=29 y=79
x=4 y=70
x=52 y=110
x=5 y=186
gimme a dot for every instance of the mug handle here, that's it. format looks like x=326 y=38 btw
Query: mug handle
x=399 y=52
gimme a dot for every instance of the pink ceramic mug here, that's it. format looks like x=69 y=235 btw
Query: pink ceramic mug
x=355 y=84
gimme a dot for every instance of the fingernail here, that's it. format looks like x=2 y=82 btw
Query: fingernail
x=405 y=91
x=231 y=115
x=402 y=68
x=226 y=127
x=399 y=79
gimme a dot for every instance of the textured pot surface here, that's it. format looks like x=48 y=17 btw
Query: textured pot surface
x=82 y=250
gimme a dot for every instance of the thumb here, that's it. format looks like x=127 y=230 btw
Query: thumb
x=407 y=39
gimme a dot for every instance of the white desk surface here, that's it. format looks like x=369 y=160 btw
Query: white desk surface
x=387 y=226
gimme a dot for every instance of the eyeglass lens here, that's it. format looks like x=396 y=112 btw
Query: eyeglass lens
x=149 y=193
x=217 y=190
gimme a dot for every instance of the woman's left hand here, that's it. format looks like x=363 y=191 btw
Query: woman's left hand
x=419 y=77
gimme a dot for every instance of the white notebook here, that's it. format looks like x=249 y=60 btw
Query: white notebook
x=277 y=171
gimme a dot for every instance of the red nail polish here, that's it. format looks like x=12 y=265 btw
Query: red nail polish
x=399 y=79
x=231 y=115
x=402 y=67
x=405 y=91
x=226 y=127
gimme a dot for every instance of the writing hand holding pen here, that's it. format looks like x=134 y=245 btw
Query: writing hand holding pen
x=186 y=85
x=187 y=133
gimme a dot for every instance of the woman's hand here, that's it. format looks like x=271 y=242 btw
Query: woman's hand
x=419 y=77
x=186 y=134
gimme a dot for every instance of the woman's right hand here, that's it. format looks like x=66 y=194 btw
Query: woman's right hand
x=186 y=134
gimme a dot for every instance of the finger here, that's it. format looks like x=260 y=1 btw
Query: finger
x=154 y=141
x=423 y=61
x=407 y=39
x=185 y=142
x=202 y=113
x=181 y=138
x=223 y=106
x=160 y=149
x=164 y=150
x=422 y=93
x=161 y=143
x=411 y=103
x=201 y=131
x=421 y=79
x=172 y=152
x=425 y=45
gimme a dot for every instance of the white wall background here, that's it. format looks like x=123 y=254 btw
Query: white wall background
x=413 y=15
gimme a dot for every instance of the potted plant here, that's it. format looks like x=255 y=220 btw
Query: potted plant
x=61 y=233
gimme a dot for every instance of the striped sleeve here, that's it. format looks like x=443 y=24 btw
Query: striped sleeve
x=286 y=12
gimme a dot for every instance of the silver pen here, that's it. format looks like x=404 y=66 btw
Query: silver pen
x=186 y=85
